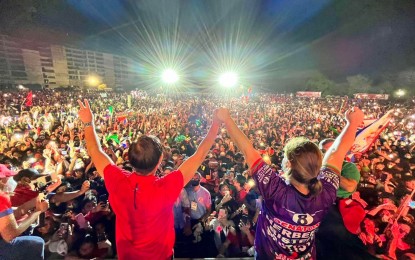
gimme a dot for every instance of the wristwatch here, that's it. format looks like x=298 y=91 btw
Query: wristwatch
x=87 y=124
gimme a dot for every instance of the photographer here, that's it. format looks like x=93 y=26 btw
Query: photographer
x=12 y=246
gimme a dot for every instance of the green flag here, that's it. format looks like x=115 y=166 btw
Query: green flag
x=114 y=137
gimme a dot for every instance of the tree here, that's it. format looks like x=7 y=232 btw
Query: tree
x=385 y=87
x=359 y=84
x=319 y=82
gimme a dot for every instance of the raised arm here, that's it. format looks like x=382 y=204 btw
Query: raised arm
x=9 y=229
x=336 y=153
x=99 y=158
x=190 y=166
x=240 y=139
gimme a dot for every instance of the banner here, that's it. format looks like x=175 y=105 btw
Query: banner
x=29 y=99
x=371 y=96
x=122 y=116
x=103 y=95
x=129 y=101
x=368 y=135
x=308 y=94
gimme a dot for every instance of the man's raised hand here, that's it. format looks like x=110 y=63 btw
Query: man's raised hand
x=85 y=113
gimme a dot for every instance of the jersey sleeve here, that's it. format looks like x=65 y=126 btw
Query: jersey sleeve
x=5 y=205
x=172 y=185
x=330 y=180
x=269 y=183
x=113 y=175
x=329 y=177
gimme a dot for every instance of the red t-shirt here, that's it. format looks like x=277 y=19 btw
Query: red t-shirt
x=5 y=205
x=240 y=196
x=144 y=209
x=22 y=194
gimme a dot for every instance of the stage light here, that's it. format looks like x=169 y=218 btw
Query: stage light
x=169 y=76
x=228 y=79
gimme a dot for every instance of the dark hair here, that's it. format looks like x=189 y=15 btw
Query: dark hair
x=240 y=179
x=324 y=142
x=87 y=199
x=144 y=154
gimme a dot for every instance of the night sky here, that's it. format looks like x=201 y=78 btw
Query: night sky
x=268 y=42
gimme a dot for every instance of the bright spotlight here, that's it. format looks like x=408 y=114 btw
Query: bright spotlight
x=228 y=79
x=169 y=76
x=93 y=81
x=400 y=92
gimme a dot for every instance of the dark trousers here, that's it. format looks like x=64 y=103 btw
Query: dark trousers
x=334 y=241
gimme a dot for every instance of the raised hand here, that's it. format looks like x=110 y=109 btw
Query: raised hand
x=85 y=113
x=42 y=206
x=222 y=114
x=354 y=115
x=85 y=186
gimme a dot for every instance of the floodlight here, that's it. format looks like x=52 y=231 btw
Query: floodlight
x=169 y=76
x=228 y=79
x=400 y=92
x=93 y=81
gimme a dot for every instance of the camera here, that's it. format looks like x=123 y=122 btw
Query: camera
x=43 y=183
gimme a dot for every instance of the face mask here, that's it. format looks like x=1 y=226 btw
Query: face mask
x=195 y=182
x=10 y=185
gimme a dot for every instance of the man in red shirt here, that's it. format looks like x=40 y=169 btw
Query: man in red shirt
x=142 y=202
x=11 y=245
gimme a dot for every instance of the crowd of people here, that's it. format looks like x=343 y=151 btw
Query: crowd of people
x=216 y=214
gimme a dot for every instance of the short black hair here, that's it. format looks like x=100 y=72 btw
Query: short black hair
x=145 y=153
x=324 y=142
x=240 y=179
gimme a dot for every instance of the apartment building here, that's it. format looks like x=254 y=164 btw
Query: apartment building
x=32 y=63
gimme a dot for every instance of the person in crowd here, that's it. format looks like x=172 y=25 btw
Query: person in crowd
x=49 y=137
x=225 y=198
x=221 y=226
x=143 y=204
x=303 y=197
x=200 y=209
x=12 y=245
x=200 y=200
x=239 y=183
x=344 y=218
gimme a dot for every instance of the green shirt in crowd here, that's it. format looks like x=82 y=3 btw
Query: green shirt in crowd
x=349 y=171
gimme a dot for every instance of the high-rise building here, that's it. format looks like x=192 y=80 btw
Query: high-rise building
x=48 y=65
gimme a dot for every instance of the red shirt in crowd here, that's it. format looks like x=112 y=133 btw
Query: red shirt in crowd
x=5 y=205
x=22 y=194
x=143 y=206
x=240 y=196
